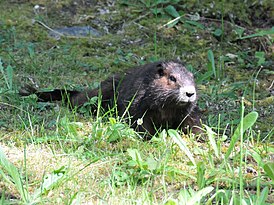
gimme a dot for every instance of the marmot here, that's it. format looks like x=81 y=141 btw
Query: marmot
x=152 y=96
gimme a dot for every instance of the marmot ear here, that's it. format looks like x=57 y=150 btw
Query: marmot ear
x=160 y=70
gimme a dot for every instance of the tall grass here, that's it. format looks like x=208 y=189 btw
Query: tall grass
x=7 y=74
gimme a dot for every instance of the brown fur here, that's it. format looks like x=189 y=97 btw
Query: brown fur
x=162 y=94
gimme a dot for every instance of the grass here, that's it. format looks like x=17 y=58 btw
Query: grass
x=52 y=155
x=132 y=171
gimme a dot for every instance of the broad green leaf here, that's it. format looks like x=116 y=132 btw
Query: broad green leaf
x=239 y=31
x=152 y=164
x=257 y=158
x=269 y=170
x=261 y=58
x=114 y=134
x=197 y=197
x=112 y=120
x=184 y=196
x=49 y=181
x=218 y=32
x=248 y=121
x=135 y=155
x=172 y=11
x=171 y=202
x=195 y=23
x=181 y=143
x=243 y=202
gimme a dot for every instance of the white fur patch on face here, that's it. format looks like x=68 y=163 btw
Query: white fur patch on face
x=187 y=94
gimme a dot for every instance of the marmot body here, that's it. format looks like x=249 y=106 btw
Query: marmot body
x=161 y=94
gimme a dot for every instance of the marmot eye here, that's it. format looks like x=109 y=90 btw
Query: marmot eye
x=161 y=72
x=172 y=78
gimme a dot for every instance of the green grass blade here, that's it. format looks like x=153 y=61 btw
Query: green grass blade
x=14 y=175
x=2 y=72
x=259 y=34
x=204 y=77
x=248 y=121
x=9 y=77
x=2 y=199
x=5 y=177
x=201 y=179
x=210 y=57
x=211 y=136
x=263 y=196
x=214 y=195
x=181 y=143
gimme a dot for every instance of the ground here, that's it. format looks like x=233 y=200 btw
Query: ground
x=227 y=45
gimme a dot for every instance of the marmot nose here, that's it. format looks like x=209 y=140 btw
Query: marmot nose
x=189 y=94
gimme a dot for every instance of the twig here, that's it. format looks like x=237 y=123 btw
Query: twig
x=60 y=34
x=47 y=27
x=271 y=85
x=170 y=22
x=137 y=19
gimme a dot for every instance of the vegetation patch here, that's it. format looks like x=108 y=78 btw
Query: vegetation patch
x=50 y=154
